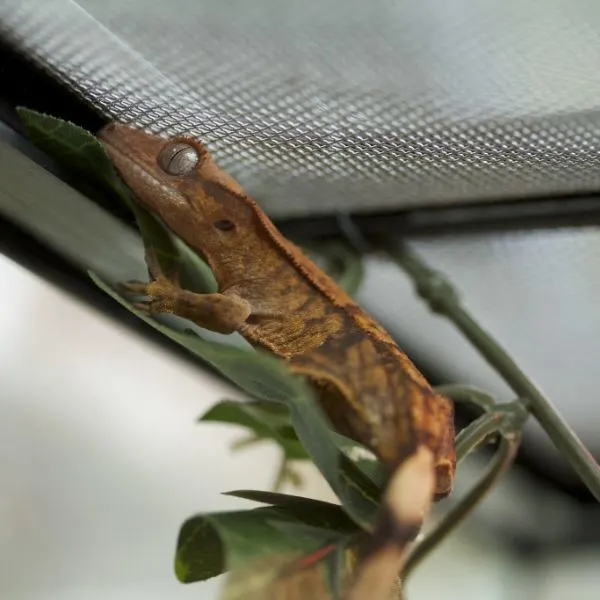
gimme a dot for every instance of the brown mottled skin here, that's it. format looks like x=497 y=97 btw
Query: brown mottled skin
x=278 y=299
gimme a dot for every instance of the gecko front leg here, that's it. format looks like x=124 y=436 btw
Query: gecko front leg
x=222 y=313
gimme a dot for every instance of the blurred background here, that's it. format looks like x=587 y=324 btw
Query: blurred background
x=101 y=461
x=471 y=131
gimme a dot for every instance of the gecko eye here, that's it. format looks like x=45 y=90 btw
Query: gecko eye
x=224 y=225
x=178 y=158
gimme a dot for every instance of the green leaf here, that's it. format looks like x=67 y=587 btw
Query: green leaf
x=263 y=420
x=210 y=544
x=196 y=275
x=268 y=420
x=259 y=374
x=71 y=146
x=268 y=551
x=76 y=149
x=370 y=467
x=373 y=470
x=265 y=423
x=265 y=377
x=323 y=515
x=332 y=515
x=256 y=416
x=358 y=497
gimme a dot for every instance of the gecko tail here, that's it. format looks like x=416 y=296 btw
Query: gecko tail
x=407 y=501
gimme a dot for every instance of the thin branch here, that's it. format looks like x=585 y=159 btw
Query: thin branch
x=477 y=432
x=444 y=299
x=468 y=394
x=501 y=461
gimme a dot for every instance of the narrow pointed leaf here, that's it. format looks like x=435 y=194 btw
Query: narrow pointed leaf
x=70 y=145
x=331 y=515
x=262 y=420
x=77 y=150
x=265 y=377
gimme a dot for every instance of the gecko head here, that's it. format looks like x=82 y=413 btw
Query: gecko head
x=177 y=180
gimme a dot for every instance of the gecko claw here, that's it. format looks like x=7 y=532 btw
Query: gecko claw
x=142 y=307
x=138 y=288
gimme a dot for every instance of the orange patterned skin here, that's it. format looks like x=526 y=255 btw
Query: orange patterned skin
x=279 y=300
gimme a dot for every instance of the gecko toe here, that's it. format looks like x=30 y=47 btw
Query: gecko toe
x=133 y=287
x=143 y=307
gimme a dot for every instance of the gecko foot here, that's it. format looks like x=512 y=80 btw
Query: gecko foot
x=217 y=312
x=162 y=295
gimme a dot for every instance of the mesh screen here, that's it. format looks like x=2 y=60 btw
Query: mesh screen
x=344 y=104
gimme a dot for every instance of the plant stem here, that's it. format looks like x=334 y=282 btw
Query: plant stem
x=444 y=299
x=474 y=434
x=501 y=461
x=245 y=442
x=507 y=420
x=282 y=474
x=468 y=394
